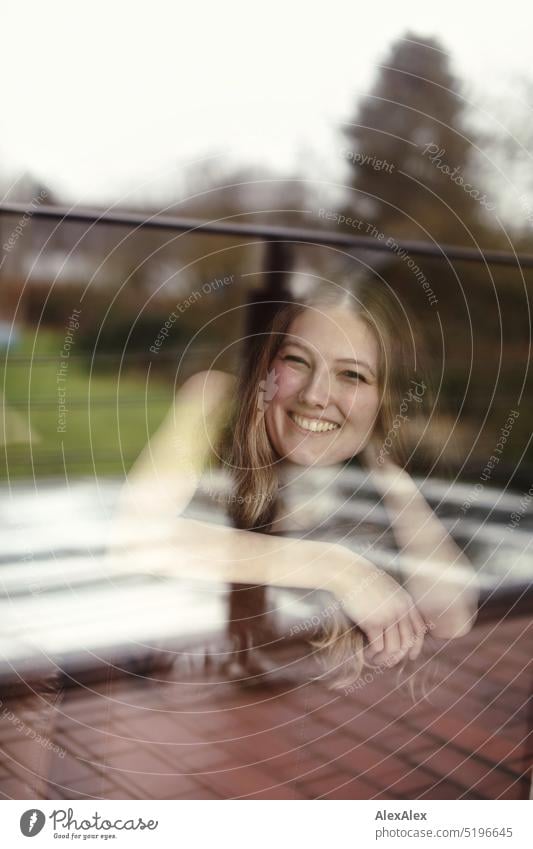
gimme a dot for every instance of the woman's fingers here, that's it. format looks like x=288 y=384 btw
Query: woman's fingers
x=375 y=641
x=418 y=622
x=403 y=635
x=420 y=630
x=407 y=634
x=391 y=652
x=393 y=641
x=416 y=648
x=399 y=639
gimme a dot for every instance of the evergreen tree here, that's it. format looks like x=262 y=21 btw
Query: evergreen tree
x=409 y=150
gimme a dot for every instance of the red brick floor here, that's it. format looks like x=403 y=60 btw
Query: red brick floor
x=168 y=735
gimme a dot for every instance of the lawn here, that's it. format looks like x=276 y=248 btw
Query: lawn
x=105 y=423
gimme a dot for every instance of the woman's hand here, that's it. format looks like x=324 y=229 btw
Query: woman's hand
x=437 y=574
x=383 y=610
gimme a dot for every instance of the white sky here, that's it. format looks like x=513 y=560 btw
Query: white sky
x=102 y=99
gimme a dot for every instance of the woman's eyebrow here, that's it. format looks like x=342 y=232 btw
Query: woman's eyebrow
x=290 y=341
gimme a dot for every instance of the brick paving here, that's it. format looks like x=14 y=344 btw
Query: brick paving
x=200 y=736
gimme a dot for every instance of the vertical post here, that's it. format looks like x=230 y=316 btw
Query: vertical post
x=247 y=620
x=265 y=303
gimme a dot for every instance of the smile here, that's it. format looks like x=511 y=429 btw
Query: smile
x=313 y=425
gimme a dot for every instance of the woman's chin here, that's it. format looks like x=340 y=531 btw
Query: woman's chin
x=302 y=457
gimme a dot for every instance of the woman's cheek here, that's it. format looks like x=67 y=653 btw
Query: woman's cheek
x=360 y=407
x=288 y=380
x=352 y=404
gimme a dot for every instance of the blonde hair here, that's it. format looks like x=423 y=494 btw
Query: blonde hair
x=252 y=459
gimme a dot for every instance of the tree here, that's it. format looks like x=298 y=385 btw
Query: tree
x=409 y=152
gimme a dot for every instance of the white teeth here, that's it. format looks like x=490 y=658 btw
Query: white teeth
x=314 y=425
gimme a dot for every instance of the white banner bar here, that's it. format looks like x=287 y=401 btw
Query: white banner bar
x=235 y=824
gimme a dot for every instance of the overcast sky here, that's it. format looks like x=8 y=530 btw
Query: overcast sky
x=103 y=99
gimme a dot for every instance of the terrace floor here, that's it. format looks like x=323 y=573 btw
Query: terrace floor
x=165 y=735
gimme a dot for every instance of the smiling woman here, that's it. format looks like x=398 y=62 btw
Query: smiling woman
x=325 y=387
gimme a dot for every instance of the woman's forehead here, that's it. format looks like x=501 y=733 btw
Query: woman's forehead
x=335 y=333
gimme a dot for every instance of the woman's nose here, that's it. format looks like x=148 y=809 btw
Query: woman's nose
x=316 y=390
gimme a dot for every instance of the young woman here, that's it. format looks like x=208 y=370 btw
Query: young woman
x=336 y=377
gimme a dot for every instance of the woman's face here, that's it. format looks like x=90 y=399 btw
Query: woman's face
x=326 y=396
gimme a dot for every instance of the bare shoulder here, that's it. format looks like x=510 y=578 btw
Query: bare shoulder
x=210 y=387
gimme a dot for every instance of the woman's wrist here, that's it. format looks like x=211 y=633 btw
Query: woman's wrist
x=327 y=566
x=339 y=570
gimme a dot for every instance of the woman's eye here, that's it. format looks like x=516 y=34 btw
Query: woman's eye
x=354 y=375
x=294 y=359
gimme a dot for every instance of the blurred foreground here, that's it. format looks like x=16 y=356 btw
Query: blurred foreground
x=125 y=686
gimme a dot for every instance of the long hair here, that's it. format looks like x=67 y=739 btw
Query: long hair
x=253 y=462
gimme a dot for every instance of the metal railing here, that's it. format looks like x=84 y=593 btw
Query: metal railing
x=269 y=233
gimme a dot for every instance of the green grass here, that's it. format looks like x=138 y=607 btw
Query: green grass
x=107 y=422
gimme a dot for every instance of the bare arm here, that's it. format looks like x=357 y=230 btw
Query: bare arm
x=151 y=536
x=439 y=577
x=157 y=539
